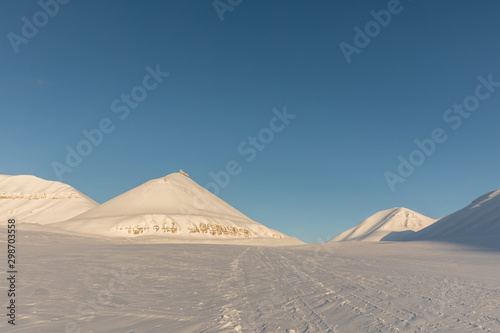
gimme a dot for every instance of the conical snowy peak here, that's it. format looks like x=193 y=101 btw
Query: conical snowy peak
x=388 y=224
x=173 y=206
x=478 y=220
x=35 y=200
x=174 y=194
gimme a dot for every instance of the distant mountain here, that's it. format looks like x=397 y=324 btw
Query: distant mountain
x=480 y=219
x=35 y=200
x=391 y=224
x=173 y=206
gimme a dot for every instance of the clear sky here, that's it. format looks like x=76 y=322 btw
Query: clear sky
x=361 y=98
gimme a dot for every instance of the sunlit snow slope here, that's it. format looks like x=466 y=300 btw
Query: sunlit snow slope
x=480 y=219
x=174 y=206
x=389 y=224
x=31 y=199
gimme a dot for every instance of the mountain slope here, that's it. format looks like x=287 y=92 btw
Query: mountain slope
x=391 y=224
x=35 y=200
x=173 y=206
x=480 y=219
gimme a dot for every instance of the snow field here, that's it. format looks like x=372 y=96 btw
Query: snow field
x=103 y=285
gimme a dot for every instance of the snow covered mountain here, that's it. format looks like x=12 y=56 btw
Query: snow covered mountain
x=173 y=206
x=391 y=224
x=35 y=200
x=479 y=220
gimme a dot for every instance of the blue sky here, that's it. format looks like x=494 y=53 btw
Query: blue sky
x=321 y=174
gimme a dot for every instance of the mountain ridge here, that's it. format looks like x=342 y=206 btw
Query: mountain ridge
x=479 y=219
x=396 y=222
x=173 y=206
x=35 y=200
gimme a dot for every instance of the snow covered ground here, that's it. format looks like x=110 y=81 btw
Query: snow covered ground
x=70 y=283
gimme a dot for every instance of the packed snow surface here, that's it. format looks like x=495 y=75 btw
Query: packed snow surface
x=91 y=284
x=31 y=199
x=479 y=221
x=391 y=224
x=174 y=207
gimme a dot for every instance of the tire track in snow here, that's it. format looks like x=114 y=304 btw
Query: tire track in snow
x=394 y=284
x=265 y=302
x=268 y=290
x=229 y=318
x=325 y=294
x=288 y=302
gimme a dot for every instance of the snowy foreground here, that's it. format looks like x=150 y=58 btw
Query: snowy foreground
x=78 y=284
